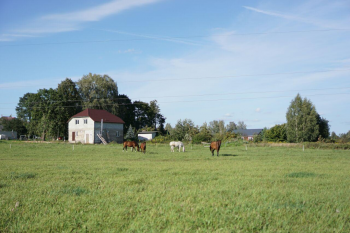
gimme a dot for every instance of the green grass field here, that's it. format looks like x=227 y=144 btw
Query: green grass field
x=96 y=188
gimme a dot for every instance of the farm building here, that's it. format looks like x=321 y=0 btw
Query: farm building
x=85 y=127
x=248 y=134
x=146 y=135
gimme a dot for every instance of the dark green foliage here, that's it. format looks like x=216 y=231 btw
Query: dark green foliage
x=130 y=135
x=183 y=128
x=323 y=126
x=278 y=133
x=15 y=124
x=69 y=106
x=148 y=115
x=47 y=112
x=126 y=110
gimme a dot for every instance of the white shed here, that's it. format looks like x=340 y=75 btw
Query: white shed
x=146 y=135
x=84 y=127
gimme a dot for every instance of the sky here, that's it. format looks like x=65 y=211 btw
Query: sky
x=202 y=60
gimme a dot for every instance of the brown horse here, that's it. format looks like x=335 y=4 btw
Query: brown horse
x=215 y=146
x=132 y=144
x=143 y=147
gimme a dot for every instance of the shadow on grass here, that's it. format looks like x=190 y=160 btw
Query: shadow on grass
x=227 y=155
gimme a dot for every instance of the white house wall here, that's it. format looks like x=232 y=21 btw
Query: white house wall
x=84 y=133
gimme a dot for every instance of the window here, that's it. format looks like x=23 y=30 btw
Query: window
x=77 y=122
x=85 y=121
x=117 y=133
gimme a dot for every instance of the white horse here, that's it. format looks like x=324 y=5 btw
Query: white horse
x=176 y=144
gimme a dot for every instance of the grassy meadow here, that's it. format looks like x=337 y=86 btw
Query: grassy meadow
x=96 y=188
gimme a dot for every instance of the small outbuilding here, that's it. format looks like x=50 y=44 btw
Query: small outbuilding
x=248 y=134
x=86 y=126
x=146 y=135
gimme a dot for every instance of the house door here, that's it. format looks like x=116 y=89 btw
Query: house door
x=87 y=139
x=73 y=136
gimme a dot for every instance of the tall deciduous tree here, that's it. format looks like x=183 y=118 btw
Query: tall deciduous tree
x=184 y=127
x=302 y=121
x=217 y=127
x=126 y=110
x=230 y=127
x=71 y=102
x=241 y=125
x=99 y=92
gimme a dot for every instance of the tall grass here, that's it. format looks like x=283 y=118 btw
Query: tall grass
x=51 y=187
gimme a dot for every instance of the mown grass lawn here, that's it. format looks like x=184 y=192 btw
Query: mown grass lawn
x=96 y=188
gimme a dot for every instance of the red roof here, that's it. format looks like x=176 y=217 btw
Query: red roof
x=97 y=114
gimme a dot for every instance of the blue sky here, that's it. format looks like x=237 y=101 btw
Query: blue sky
x=202 y=60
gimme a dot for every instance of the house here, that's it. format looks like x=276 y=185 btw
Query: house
x=85 y=126
x=247 y=134
x=146 y=135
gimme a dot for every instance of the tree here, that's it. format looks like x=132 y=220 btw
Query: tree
x=130 y=135
x=278 y=133
x=168 y=128
x=344 y=137
x=126 y=110
x=70 y=104
x=142 y=112
x=217 y=127
x=14 y=124
x=241 y=125
x=302 y=121
x=204 y=134
x=323 y=126
x=184 y=127
x=334 y=136
x=231 y=127
x=99 y=92
x=148 y=115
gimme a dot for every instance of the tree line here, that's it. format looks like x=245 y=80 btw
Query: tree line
x=46 y=113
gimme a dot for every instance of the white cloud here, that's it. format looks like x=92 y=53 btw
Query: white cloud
x=309 y=20
x=258 y=110
x=98 y=12
x=71 y=21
